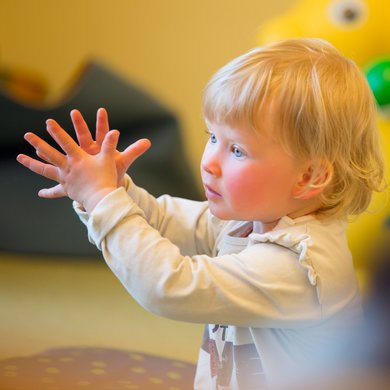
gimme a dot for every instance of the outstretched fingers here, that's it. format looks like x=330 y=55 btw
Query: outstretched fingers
x=53 y=192
x=63 y=139
x=110 y=143
x=102 y=125
x=46 y=170
x=135 y=150
x=42 y=169
x=52 y=155
x=83 y=134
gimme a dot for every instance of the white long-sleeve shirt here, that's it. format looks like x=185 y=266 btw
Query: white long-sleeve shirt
x=275 y=300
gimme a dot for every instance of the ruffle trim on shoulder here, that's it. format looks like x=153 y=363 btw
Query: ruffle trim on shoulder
x=294 y=239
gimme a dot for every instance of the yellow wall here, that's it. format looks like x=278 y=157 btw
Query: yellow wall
x=169 y=47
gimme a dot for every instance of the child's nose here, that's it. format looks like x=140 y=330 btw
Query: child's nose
x=210 y=164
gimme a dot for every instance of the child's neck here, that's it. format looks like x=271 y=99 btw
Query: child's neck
x=263 y=227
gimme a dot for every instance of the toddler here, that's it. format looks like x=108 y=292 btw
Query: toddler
x=264 y=262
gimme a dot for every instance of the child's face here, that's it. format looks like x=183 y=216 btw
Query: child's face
x=249 y=176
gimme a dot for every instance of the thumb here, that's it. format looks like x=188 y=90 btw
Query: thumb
x=53 y=192
x=110 y=142
x=135 y=150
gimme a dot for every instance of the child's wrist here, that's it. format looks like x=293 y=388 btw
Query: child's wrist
x=121 y=182
x=92 y=201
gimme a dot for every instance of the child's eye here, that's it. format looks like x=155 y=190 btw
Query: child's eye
x=212 y=137
x=237 y=152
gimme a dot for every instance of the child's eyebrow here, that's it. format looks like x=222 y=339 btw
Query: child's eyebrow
x=207 y=126
x=207 y=129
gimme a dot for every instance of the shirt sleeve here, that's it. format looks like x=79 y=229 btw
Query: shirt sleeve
x=186 y=223
x=231 y=289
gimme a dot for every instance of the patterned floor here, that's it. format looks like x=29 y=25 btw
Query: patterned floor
x=94 y=368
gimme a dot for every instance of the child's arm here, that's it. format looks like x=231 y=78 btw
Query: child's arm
x=196 y=287
x=158 y=212
x=231 y=288
x=83 y=177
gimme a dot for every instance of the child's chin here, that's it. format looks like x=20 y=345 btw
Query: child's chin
x=220 y=213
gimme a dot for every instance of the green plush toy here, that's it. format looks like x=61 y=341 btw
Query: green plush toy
x=378 y=76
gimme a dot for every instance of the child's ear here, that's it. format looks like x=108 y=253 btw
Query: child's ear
x=313 y=180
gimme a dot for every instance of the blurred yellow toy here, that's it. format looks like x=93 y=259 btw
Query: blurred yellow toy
x=361 y=30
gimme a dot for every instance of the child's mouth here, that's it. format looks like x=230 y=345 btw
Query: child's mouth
x=211 y=194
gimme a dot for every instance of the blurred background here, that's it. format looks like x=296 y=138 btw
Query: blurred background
x=169 y=48
x=159 y=53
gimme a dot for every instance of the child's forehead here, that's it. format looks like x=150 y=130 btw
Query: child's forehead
x=228 y=127
x=265 y=122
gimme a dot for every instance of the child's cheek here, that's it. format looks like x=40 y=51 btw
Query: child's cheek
x=242 y=184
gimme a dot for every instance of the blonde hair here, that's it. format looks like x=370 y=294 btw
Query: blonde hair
x=326 y=114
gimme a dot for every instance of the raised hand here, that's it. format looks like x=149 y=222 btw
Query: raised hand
x=84 y=177
x=92 y=146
